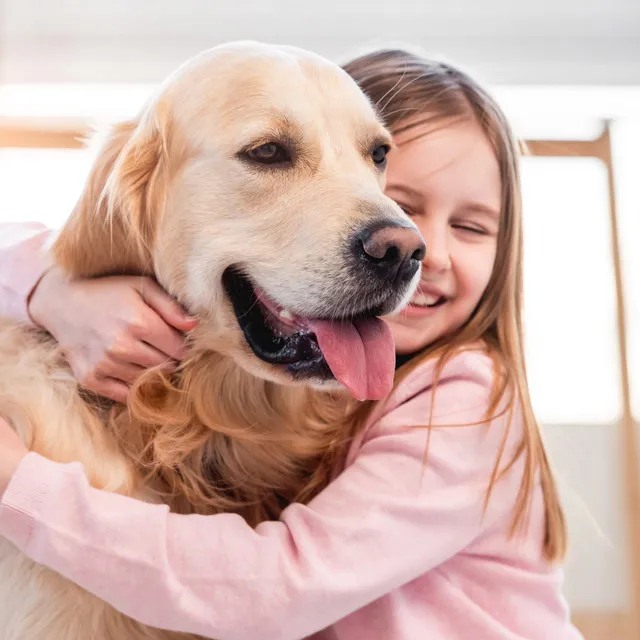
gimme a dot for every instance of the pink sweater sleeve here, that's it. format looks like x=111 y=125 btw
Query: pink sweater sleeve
x=24 y=258
x=383 y=522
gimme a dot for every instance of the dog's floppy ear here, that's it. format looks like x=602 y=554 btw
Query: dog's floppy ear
x=111 y=230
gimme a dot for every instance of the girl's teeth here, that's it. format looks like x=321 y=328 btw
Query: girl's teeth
x=424 y=300
x=285 y=314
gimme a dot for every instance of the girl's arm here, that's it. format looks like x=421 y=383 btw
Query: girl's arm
x=24 y=259
x=110 y=329
x=384 y=521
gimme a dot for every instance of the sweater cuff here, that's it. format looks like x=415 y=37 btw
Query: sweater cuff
x=24 y=259
x=31 y=488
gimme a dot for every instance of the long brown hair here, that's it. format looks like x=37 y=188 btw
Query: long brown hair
x=409 y=90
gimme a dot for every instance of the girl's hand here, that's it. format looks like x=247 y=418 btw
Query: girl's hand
x=12 y=450
x=111 y=329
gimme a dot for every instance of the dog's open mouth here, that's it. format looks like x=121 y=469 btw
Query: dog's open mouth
x=357 y=351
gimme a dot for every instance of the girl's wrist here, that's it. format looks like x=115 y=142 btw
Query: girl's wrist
x=39 y=305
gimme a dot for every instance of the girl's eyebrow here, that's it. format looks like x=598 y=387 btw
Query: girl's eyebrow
x=408 y=191
x=478 y=207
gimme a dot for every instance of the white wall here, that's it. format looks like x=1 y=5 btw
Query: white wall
x=587 y=463
x=506 y=41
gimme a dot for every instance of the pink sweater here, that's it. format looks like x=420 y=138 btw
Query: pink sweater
x=392 y=549
x=23 y=260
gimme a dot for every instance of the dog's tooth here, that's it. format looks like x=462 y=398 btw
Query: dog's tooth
x=285 y=314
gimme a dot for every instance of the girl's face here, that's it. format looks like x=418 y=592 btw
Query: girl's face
x=447 y=178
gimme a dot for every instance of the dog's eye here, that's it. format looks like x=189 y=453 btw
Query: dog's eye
x=379 y=155
x=269 y=153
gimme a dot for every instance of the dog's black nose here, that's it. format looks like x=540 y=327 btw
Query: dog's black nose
x=392 y=250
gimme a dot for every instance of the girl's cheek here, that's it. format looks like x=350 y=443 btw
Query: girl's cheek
x=478 y=272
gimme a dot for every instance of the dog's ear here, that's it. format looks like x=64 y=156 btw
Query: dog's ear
x=112 y=228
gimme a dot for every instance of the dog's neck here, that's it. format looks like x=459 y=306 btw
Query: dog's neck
x=213 y=438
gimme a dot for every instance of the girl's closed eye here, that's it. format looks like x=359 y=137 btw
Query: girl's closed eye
x=484 y=222
x=469 y=227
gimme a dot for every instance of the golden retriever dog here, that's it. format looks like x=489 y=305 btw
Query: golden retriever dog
x=251 y=188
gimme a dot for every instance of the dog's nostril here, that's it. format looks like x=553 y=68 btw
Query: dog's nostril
x=379 y=252
x=419 y=254
x=392 y=254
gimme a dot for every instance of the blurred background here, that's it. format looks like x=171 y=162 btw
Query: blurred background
x=567 y=72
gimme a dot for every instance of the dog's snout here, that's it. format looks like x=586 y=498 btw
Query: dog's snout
x=393 y=250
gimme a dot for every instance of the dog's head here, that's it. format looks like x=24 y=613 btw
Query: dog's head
x=252 y=188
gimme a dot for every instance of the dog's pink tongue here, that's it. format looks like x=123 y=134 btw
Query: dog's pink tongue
x=361 y=355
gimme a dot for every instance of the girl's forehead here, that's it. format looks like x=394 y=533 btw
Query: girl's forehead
x=427 y=124
x=460 y=147
x=432 y=129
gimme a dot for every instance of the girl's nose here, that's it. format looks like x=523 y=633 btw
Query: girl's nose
x=438 y=256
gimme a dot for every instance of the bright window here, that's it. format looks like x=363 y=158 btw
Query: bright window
x=570 y=313
x=41 y=184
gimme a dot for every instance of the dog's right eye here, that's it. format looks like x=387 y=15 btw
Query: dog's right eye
x=379 y=155
x=269 y=153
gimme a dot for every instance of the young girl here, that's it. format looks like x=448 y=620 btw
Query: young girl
x=442 y=523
